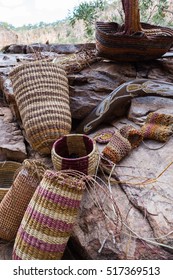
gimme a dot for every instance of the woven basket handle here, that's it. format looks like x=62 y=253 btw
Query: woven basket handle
x=132 y=17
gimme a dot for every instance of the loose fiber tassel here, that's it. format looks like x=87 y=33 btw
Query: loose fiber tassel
x=49 y=218
x=15 y=202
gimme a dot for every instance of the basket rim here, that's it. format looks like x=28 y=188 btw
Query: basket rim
x=74 y=159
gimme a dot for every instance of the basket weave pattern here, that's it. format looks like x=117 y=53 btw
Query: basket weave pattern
x=117 y=148
x=15 y=202
x=132 y=134
x=49 y=218
x=7 y=172
x=158 y=127
x=77 y=152
x=42 y=96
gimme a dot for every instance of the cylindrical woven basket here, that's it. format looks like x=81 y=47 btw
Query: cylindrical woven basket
x=132 y=134
x=77 y=152
x=49 y=218
x=15 y=202
x=42 y=96
x=117 y=148
x=7 y=173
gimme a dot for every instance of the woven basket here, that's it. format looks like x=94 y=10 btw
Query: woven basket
x=77 y=152
x=7 y=173
x=42 y=96
x=132 y=134
x=133 y=41
x=15 y=202
x=49 y=218
x=158 y=127
x=117 y=148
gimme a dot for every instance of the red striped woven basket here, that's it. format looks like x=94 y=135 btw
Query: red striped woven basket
x=49 y=218
x=42 y=96
x=77 y=152
x=15 y=202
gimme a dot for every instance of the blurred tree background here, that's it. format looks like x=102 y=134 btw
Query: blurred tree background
x=79 y=26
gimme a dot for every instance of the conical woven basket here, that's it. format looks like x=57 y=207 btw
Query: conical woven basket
x=7 y=173
x=42 y=96
x=15 y=202
x=77 y=152
x=49 y=218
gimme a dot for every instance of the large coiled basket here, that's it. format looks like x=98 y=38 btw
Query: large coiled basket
x=15 y=202
x=49 y=218
x=42 y=96
x=77 y=152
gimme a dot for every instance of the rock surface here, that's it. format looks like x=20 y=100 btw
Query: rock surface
x=12 y=145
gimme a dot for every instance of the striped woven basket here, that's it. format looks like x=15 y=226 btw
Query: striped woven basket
x=7 y=173
x=15 y=202
x=158 y=126
x=117 y=148
x=42 y=96
x=49 y=218
x=132 y=134
x=77 y=152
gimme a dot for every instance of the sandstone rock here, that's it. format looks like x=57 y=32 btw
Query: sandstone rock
x=93 y=84
x=12 y=145
x=95 y=237
x=141 y=106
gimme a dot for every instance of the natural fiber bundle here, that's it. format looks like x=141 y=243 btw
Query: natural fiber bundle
x=77 y=152
x=132 y=134
x=117 y=148
x=158 y=127
x=7 y=173
x=42 y=96
x=15 y=202
x=75 y=62
x=49 y=218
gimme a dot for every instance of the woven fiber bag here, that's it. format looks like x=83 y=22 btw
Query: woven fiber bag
x=117 y=148
x=77 y=152
x=49 y=218
x=42 y=96
x=7 y=173
x=15 y=202
x=158 y=127
x=132 y=134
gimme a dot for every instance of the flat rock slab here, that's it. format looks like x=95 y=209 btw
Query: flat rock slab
x=142 y=106
x=141 y=187
x=12 y=145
